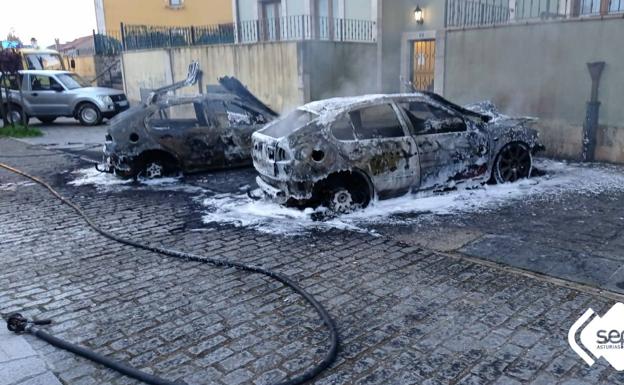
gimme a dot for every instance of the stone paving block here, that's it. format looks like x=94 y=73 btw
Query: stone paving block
x=43 y=379
x=406 y=315
x=12 y=346
x=12 y=372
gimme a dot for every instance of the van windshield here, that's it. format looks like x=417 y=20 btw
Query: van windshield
x=289 y=123
x=43 y=61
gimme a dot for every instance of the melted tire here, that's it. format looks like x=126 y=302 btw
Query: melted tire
x=513 y=162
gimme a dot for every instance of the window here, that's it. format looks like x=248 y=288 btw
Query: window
x=231 y=115
x=427 y=119
x=239 y=115
x=289 y=123
x=43 y=61
x=41 y=83
x=175 y=3
x=72 y=81
x=11 y=82
x=376 y=122
x=179 y=116
x=342 y=129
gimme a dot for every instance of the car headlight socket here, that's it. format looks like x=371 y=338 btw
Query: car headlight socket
x=105 y=99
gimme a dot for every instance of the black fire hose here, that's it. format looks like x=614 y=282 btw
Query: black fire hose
x=18 y=324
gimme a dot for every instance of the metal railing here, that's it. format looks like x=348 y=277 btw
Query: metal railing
x=306 y=27
x=291 y=28
x=107 y=44
x=135 y=37
x=466 y=13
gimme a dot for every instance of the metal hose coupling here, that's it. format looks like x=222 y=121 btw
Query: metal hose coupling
x=19 y=324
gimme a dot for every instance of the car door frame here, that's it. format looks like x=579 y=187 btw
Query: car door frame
x=181 y=142
x=406 y=174
x=42 y=102
x=470 y=163
x=30 y=101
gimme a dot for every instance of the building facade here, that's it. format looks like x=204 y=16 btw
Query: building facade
x=409 y=50
x=172 y=13
x=338 y=20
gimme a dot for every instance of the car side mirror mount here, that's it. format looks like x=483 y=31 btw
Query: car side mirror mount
x=57 y=87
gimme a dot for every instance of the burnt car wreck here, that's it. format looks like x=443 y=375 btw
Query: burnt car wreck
x=344 y=152
x=172 y=134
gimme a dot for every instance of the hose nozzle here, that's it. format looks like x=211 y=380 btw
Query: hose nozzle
x=17 y=323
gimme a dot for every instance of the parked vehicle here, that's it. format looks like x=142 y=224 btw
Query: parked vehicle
x=172 y=134
x=48 y=95
x=41 y=59
x=343 y=152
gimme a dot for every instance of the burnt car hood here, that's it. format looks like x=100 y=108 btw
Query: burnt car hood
x=495 y=117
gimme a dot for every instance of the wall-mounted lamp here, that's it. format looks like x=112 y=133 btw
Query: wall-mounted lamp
x=418 y=15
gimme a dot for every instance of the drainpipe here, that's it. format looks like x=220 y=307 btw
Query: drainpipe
x=593 y=109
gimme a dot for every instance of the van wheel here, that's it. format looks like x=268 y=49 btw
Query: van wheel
x=15 y=115
x=47 y=119
x=89 y=115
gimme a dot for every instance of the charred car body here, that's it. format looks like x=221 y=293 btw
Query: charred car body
x=168 y=135
x=343 y=152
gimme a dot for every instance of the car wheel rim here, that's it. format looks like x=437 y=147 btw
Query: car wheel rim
x=514 y=163
x=153 y=170
x=89 y=115
x=15 y=117
x=342 y=201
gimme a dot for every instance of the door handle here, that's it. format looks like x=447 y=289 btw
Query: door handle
x=35 y=94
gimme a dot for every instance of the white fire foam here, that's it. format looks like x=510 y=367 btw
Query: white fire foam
x=562 y=178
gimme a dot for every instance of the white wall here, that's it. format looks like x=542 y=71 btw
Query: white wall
x=359 y=9
x=295 y=7
x=247 y=9
x=349 y=9
x=540 y=69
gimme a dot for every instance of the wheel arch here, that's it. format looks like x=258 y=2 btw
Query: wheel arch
x=80 y=102
x=157 y=154
x=340 y=177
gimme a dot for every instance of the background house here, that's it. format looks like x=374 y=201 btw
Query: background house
x=111 y=13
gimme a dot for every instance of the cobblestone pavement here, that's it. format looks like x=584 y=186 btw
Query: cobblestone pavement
x=577 y=237
x=406 y=314
x=20 y=364
x=66 y=133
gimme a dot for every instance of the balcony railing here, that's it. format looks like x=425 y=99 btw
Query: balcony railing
x=305 y=27
x=291 y=28
x=467 y=13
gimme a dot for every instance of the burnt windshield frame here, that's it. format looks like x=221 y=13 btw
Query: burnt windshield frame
x=289 y=123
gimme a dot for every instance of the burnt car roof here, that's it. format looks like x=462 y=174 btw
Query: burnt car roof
x=329 y=108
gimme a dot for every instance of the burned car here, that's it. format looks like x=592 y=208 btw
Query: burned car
x=343 y=152
x=172 y=134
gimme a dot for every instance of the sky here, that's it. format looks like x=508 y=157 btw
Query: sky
x=47 y=19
